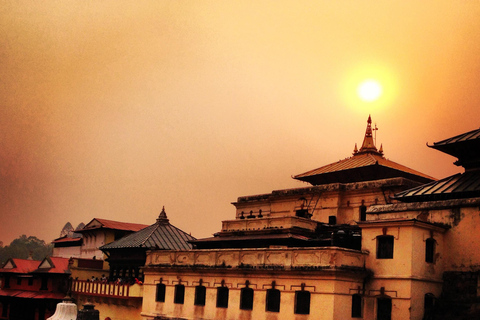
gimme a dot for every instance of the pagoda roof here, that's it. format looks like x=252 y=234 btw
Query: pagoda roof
x=458 y=186
x=160 y=235
x=465 y=147
x=366 y=164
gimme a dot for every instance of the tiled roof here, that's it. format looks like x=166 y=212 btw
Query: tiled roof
x=53 y=265
x=20 y=265
x=361 y=167
x=31 y=294
x=47 y=265
x=459 y=186
x=111 y=224
x=161 y=235
x=67 y=239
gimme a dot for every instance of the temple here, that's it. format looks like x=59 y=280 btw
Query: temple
x=304 y=252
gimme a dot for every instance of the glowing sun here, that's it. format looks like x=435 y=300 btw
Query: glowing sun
x=369 y=90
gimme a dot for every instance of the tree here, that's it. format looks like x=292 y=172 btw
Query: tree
x=23 y=246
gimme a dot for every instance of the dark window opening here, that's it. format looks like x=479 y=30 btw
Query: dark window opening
x=430 y=250
x=19 y=281
x=200 y=294
x=6 y=285
x=356 y=306
x=179 y=296
x=302 y=302
x=332 y=220
x=384 y=309
x=160 y=294
x=385 y=247
x=363 y=213
x=222 y=297
x=273 y=300
x=429 y=305
x=4 y=305
x=246 y=298
x=302 y=213
x=44 y=285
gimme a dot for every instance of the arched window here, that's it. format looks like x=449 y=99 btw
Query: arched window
x=246 y=298
x=179 y=296
x=273 y=300
x=302 y=302
x=160 y=294
x=222 y=297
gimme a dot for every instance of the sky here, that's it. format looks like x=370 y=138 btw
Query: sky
x=114 y=109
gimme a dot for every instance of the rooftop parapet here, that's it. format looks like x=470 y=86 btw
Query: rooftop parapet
x=268 y=223
x=320 y=258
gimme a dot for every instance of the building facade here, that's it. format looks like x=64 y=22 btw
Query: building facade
x=339 y=249
x=31 y=289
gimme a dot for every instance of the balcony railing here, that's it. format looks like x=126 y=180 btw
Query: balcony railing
x=107 y=289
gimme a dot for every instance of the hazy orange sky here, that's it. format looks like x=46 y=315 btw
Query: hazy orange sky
x=113 y=109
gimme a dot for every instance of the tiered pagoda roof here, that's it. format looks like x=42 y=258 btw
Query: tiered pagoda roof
x=466 y=148
x=366 y=164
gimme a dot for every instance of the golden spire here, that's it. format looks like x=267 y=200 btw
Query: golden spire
x=368 y=145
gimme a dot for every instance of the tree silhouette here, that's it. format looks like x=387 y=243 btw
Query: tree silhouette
x=23 y=247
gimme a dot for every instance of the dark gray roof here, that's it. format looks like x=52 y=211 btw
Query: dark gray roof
x=471 y=135
x=459 y=186
x=465 y=147
x=161 y=235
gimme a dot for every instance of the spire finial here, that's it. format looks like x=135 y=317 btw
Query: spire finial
x=162 y=217
x=368 y=145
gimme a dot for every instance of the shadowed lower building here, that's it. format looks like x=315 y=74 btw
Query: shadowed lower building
x=30 y=290
x=289 y=254
x=120 y=296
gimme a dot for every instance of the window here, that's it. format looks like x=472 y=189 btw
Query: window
x=332 y=220
x=363 y=213
x=6 y=285
x=200 y=293
x=430 y=250
x=384 y=309
x=356 y=306
x=302 y=302
x=385 y=247
x=273 y=300
x=19 y=281
x=4 y=306
x=222 y=297
x=44 y=285
x=246 y=298
x=428 y=305
x=179 y=297
x=160 y=294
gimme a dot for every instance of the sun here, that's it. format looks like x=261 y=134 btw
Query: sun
x=369 y=90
